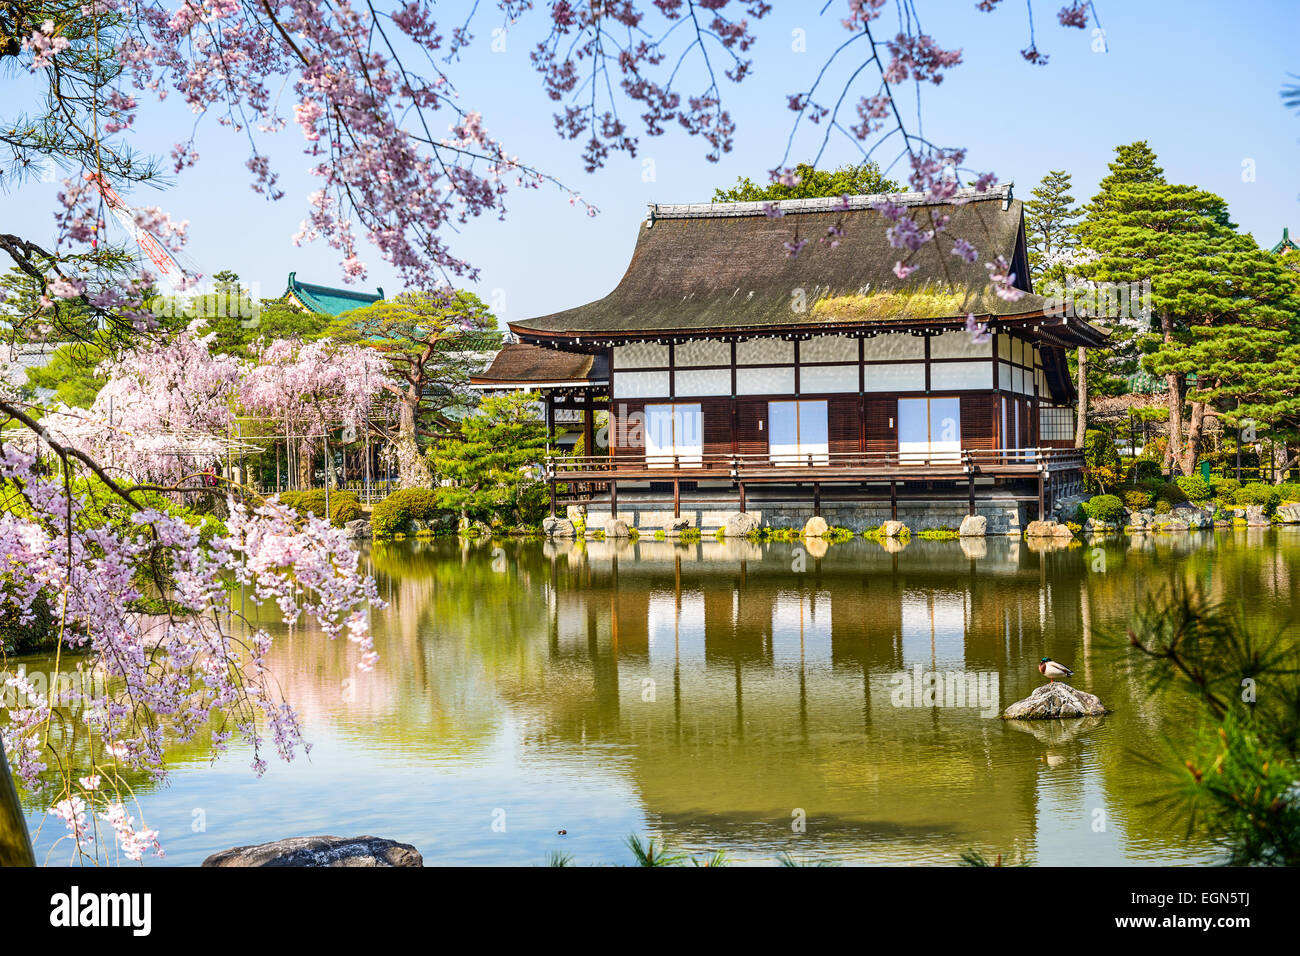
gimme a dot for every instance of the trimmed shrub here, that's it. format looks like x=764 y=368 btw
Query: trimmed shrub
x=313 y=503
x=345 y=511
x=1226 y=487
x=1194 y=487
x=1289 y=491
x=1135 y=500
x=1144 y=469
x=1105 y=508
x=1165 y=491
x=1258 y=493
x=1163 y=507
x=395 y=513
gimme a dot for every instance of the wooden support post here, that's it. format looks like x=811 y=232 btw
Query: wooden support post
x=677 y=497
x=893 y=500
x=588 y=428
x=970 y=489
x=742 y=495
x=817 y=498
x=550 y=421
x=552 y=484
x=613 y=498
x=1042 y=513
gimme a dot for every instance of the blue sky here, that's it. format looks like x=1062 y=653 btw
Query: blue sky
x=1198 y=80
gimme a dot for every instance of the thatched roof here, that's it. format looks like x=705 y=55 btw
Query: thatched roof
x=519 y=365
x=723 y=268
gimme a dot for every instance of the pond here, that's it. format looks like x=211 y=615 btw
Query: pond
x=758 y=698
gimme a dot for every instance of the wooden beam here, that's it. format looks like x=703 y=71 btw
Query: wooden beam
x=613 y=498
x=677 y=497
x=970 y=487
x=893 y=500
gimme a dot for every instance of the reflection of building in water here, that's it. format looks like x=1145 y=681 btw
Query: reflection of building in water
x=737 y=689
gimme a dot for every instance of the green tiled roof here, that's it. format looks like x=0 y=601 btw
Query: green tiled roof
x=326 y=299
x=1286 y=243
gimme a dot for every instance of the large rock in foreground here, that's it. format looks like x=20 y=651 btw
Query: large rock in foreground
x=362 y=851
x=1055 y=700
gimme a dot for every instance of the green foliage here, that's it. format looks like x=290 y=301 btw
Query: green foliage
x=494 y=463
x=1105 y=508
x=1166 y=491
x=70 y=372
x=17 y=636
x=313 y=503
x=1050 y=219
x=432 y=343
x=1226 y=487
x=1239 y=782
x=865 y=179
x=394 y=514
x=1258 y=493
x=1163 y=507
x=346 y=510
x=1136 y=500
x=1289 y=491
x=1225 y=307
x=1144 y=469
x=1194 y=487
x=1102 y=468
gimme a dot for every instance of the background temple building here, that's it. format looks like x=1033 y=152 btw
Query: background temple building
x=775 y=363
x=325 y=299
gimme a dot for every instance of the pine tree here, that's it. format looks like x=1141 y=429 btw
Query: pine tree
x=1209 y=285
x=1051 y=219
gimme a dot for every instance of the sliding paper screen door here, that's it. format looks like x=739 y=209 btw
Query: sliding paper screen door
x=673 y=434
x=797 y=433
x=929 y=430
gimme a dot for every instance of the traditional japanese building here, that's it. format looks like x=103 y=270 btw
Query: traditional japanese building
x=771 y=360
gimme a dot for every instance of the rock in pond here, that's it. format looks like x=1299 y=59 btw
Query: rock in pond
x=357 y=529
x=894 y=529
x=362 y=851
x=555 y=527
x=1047 y=529
x=739 y=524
x=973 y=526
x=816 y=527
x=673 y=527
x=1289 y=514
x=616 y=528
x=1055 y=700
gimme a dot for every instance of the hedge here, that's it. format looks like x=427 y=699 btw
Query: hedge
x=395 y=513
x=313 y=503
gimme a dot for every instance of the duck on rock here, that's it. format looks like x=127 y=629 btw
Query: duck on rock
x=1053 y=669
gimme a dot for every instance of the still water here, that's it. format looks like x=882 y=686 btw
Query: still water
x=757 y=698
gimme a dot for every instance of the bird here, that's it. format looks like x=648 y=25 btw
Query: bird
x=1053 y=669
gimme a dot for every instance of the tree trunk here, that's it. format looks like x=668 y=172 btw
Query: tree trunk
x=15 y=842
x=412 y=470
x=306 y=459
x=1195 y=432
x=1081 y=421
x=1175 y=383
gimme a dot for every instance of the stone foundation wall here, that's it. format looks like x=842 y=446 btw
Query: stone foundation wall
x=1004 y=517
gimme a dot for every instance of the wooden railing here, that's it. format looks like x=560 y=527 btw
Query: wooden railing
x=820 y=466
